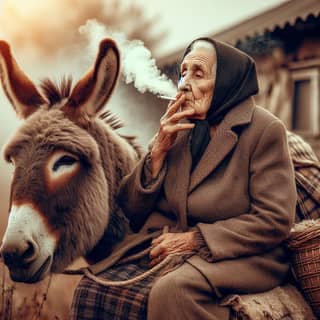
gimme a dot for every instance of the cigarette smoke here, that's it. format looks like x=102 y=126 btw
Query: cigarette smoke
x=138 y=66
x=49 y=31
x=46 y=42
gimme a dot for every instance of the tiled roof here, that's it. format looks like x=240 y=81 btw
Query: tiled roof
x=280 y=16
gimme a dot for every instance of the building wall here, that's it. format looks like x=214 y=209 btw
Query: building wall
x=278 y=75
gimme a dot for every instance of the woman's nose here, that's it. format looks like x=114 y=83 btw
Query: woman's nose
x=184 y=85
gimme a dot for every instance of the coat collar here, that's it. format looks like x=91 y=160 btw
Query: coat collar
x=223 y=141
x=241 y=114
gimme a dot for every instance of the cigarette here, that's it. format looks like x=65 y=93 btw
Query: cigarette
x=166 y=97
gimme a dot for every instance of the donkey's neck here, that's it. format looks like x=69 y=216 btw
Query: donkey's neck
x=114 y=233
x=118 y=158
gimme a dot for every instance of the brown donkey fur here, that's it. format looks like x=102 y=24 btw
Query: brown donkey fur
x=69 y=162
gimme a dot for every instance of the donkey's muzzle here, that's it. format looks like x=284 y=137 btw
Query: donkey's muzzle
x=19 y=254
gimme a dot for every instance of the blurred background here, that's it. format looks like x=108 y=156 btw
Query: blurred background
x=46 y=38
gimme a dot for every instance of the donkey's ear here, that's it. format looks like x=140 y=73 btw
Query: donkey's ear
x=92 y=92
x=20 y=90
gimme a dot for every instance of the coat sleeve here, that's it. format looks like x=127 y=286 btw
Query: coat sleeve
x=273 y=200
x=139 y=191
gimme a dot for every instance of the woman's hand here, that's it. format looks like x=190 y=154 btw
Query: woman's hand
x=168 y=131
x=169 y=243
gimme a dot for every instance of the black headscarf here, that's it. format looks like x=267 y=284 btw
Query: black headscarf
x=236 y=80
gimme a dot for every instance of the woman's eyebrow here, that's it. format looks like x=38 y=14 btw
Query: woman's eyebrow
x=194 y=66
x=198 y=66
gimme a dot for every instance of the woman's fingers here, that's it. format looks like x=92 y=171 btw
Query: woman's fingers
x=157 y=240
x=178 y=96
x=169 y=127
x=181 y=115
x=153 y=262
x=156 y=251
x=172 y=243
x=174 y=128
x=157 y=260
x=174 y=107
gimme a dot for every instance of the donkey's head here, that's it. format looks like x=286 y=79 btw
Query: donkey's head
x=59 y=203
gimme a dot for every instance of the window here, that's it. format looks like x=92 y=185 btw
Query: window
x=306 y=97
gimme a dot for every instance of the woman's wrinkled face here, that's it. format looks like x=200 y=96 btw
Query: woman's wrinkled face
x=198 y=73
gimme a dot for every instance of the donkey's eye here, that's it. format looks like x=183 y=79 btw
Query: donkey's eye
x=60 y=168
x=64 y=161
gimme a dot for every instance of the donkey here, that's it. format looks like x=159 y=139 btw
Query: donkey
x=68 y=163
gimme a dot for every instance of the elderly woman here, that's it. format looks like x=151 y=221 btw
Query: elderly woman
x=219 y=174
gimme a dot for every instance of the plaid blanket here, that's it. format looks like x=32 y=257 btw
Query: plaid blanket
x=95 y=301
x=307 y=175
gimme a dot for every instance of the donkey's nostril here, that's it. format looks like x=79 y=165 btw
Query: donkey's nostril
x=19 y=254
x=31 y=252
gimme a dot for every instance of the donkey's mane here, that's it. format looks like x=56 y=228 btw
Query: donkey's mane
x=115 y=123
x=56 y=92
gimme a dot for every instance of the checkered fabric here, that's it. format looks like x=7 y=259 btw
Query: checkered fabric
x=95 y=301
x=307 y=175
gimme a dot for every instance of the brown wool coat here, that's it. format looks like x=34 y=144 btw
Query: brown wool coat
x=241 y=196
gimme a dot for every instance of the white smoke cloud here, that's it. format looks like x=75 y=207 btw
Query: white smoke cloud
x=138 y=66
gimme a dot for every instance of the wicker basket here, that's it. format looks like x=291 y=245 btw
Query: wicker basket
x=304 y=243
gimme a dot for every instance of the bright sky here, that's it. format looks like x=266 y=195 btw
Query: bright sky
x=182 y=20
x=187 y=19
